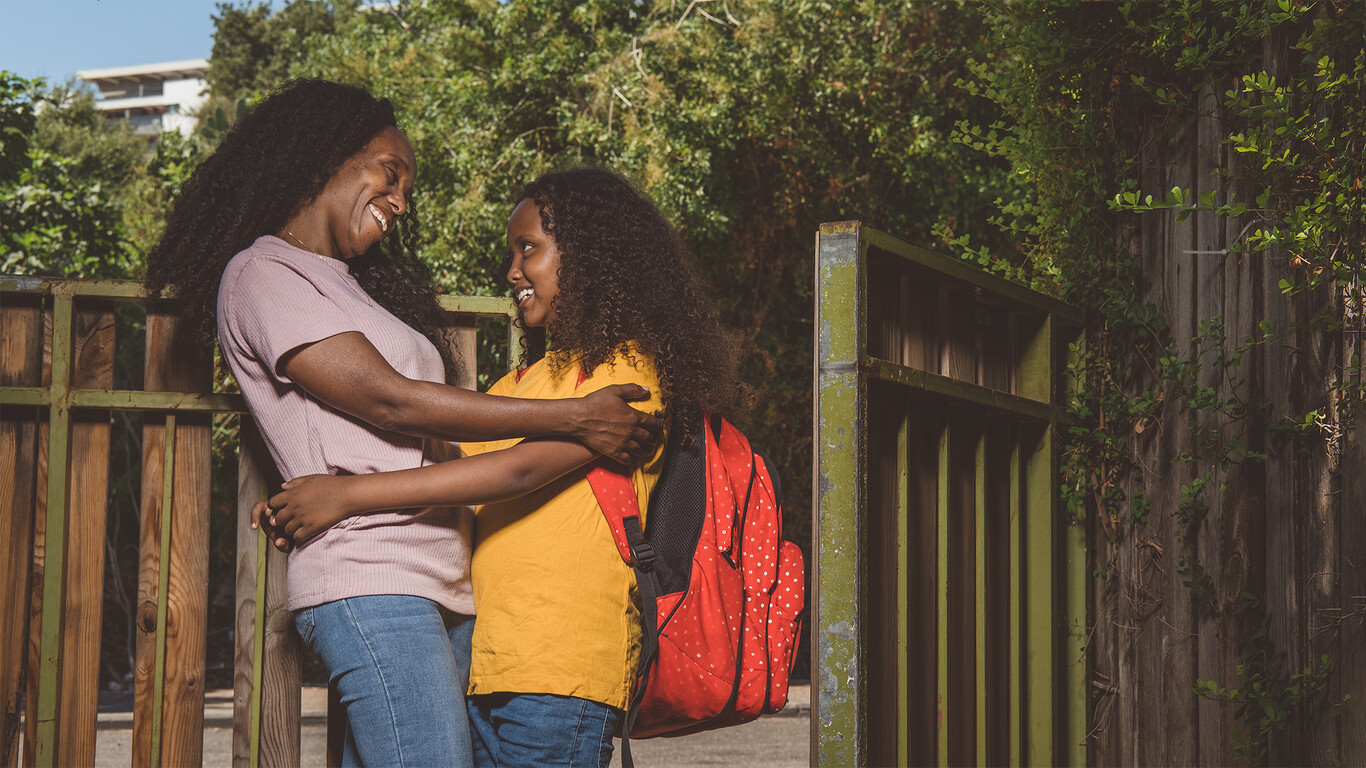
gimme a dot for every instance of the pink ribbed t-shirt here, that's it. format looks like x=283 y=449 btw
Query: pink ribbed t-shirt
x=275 y=298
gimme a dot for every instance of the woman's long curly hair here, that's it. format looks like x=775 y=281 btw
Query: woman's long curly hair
x=626 y=278
x=273 y=162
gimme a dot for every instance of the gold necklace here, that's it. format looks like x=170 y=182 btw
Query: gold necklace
x=302 y=243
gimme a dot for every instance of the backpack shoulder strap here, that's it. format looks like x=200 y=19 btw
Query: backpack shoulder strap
x=621 y=507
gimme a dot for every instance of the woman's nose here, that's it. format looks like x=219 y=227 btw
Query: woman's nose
x=515 y=270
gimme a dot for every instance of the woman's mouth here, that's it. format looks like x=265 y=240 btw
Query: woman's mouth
x=379 y=216
x=524 y=294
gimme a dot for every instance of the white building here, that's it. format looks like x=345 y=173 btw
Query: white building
x=155 y=98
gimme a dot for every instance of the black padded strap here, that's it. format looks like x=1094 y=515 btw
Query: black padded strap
x=647 y=583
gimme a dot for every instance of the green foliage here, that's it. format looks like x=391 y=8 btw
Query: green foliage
x=1269 y=694
x=17 y=122
x=253 y=46
x=69 y=194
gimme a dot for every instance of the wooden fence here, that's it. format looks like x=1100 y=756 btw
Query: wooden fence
x=950 y=587
x=57 y=356
x=1248 y=571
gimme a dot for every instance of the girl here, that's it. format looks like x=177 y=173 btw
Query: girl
x=557 y=640
x=295 y=240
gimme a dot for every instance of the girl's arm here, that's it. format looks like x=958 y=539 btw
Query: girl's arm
x=309 y=505
x=348 y=373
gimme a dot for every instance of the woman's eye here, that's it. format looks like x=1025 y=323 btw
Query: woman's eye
x=389 y=172
x=526 y=247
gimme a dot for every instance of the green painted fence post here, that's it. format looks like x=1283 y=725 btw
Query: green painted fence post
x=839 y=716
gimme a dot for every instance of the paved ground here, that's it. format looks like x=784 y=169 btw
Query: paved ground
x=775 y=741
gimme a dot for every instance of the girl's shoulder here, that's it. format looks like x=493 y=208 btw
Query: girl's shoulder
x=560 y=374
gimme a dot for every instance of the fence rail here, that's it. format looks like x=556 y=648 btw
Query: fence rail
x=57 y=396
x=950 y=585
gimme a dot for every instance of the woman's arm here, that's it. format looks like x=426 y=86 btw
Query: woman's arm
x=348 y=373
x=309 y=505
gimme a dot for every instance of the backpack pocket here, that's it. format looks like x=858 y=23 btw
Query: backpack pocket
x=789 y=596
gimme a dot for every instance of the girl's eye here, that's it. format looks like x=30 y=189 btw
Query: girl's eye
x=526 y=247
x=389 y=172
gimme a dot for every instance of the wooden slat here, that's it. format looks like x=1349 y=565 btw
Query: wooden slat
x=171 y=366
x=278 y=735
x=946 y=694
x=1208 y=268
x=21 y=364
x=252 y=485
x=962 y=589
x=920 y=662
x=37 y=575
x=1000 y=631
x=1242 y=509
x=1349 y=621
x=882 y=617
x=57 y=354
x=1074 y=572
x=282 y=670
x=1039 y=653
x=93 y=367
x=904 y=615
x=955 y=329
x=980 y=620
x=1015 y=674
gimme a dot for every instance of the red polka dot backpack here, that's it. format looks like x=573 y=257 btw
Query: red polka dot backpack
x=721 y=592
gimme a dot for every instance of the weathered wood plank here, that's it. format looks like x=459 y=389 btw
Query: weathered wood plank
x=1350 y=629
x=21 y=365
x=282 y=670
x=954 y=327
x=79 y=673
x=1210 y=737
x=962 y=588
x=1000 y=444
x=172 y=365
x=922 y=433
x=278 y=736
x=252 y=485
x=35 y=617
x=1241 y=514
x=883 y=515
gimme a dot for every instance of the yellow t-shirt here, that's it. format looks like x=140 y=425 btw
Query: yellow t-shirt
x=556 y=607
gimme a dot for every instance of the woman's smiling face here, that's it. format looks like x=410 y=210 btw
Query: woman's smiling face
x=362 y=202
x=535 y=268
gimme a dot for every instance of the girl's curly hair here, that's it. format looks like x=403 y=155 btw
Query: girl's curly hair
x=272 y=163
x=627 y=278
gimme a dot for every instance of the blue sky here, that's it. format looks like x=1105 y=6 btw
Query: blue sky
x=55 y=38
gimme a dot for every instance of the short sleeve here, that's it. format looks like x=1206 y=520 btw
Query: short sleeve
x=272 y=309
x=626 y=368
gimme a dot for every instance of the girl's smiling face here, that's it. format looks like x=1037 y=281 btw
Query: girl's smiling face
x=535 y=268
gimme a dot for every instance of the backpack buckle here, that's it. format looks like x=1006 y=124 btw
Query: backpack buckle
x=643 y=556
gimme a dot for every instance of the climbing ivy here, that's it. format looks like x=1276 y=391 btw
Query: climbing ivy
x=1083 y=87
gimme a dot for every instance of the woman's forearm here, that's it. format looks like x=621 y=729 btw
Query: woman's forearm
x=349 y=374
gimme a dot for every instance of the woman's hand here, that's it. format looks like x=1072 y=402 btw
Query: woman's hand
x=608 y=425
x=305 y=507
x=260 y=515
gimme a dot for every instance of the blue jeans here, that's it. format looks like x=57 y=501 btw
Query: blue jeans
x=526 y=730
x=401 y=665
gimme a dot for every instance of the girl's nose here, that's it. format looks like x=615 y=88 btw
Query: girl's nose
x=515 y=270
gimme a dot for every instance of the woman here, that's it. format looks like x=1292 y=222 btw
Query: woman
x=296 y=241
